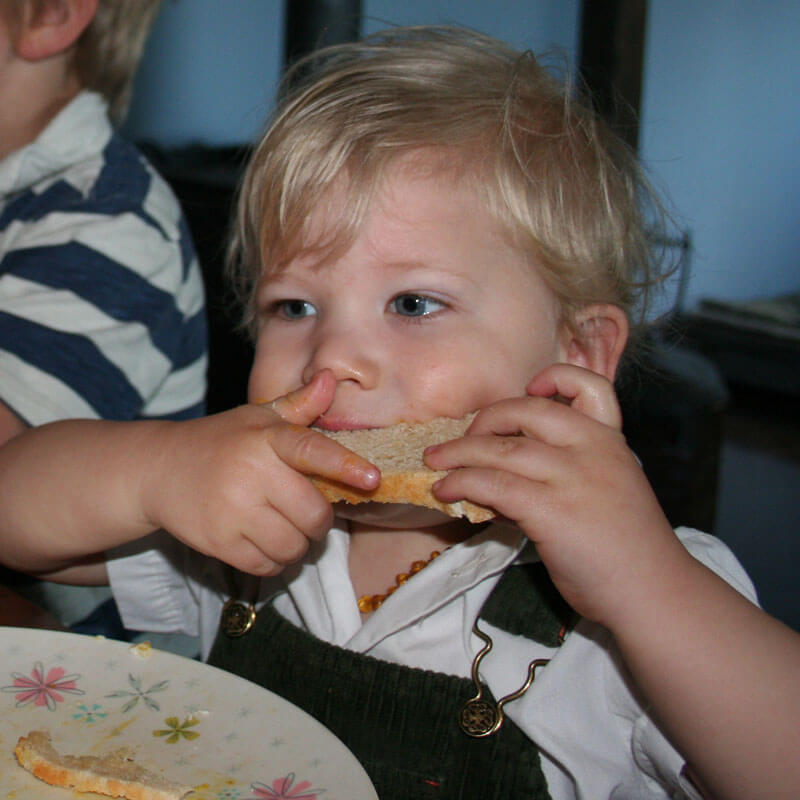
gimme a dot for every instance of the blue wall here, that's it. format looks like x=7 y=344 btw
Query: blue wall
x=209 y=72
x=721 y=126
x=536 y=24
x=720 y=115
x=211 y=66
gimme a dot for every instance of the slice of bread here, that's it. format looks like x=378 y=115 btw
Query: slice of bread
x=115 y=774
x=397 y=451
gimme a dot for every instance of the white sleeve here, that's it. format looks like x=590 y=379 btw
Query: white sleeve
x=717 y=556
x=585 y=713
x=657 y=758
x=151 y=586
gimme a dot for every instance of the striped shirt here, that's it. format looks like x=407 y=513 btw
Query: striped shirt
x=102 y=309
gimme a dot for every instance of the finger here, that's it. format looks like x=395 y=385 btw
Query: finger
x=512 y=496
x=523 y=455
x=251 y=554
x=248 y=557
x=301 y=510
x=236 y=548
x=586 y=391
x=539 y=418
x=312 y=453
x=274 y=530
x=286 y=545
x=304 y=405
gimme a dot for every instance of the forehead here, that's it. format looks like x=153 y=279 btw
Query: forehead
x=430 y=226
x=406 y=186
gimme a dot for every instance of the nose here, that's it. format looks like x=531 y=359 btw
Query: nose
x=348 y=351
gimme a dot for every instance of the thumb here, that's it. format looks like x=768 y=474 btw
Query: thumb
x=302 y=406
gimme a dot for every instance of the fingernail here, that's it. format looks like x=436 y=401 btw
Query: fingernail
x=372 y=477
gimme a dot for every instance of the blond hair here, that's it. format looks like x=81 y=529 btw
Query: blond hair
x=108 y=52
x=568 y=191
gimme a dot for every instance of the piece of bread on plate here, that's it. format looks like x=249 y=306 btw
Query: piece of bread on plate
x=115 y=774
x=397 y=451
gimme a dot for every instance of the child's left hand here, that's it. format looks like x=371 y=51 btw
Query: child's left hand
x=564 y=473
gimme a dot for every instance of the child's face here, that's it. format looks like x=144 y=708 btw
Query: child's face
x=6 y=42
x=430 y=312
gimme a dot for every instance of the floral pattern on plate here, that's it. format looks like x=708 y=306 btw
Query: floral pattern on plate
x=43 y=688
x=227 y=737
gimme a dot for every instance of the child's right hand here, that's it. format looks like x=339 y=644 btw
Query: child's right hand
x=234 y=485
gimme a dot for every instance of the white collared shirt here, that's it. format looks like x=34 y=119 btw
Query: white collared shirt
x=596 y=740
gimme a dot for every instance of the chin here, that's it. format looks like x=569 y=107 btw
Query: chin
x=392 y=515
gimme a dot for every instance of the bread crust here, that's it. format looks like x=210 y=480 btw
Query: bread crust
x=114 y=775
x=411 y=486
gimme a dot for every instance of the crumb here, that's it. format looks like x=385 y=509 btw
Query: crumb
x=142 y=650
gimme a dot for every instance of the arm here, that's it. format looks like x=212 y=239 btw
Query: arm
x=230 y=485
x=10 y=424
x=728 y=694
x=719 y=673
x=91 y=571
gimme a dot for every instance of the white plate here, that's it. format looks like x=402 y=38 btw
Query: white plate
x=195 y=724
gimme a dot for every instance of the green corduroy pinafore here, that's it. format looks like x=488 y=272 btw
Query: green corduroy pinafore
x=401 y=722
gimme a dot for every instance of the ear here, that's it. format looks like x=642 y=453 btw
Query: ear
x=596 y=339
x=52 y=29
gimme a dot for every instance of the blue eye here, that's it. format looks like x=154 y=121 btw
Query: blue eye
x=415 y=305
x=296 y=309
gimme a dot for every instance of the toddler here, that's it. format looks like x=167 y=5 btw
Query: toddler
x=102 y=311
x=433 y=225
x=101 y=297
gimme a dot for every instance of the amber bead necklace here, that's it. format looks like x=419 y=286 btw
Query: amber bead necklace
x=369 y=602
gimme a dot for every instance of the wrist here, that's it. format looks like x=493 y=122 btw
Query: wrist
x=657 y=586
x=152 y=469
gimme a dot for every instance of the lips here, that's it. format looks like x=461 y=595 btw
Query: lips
x=351 y=422
x=328 y=423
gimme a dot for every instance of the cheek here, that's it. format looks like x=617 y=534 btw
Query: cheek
x=453 y=386
x=466 y=379
x=270 y=377
x=257 y=389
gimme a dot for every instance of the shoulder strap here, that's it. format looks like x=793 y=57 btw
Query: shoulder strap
x=526 y=603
